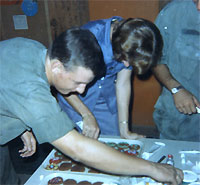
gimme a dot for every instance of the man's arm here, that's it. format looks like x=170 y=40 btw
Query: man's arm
x=184 y=101
x=97 y=155
x=90 y=126
x=123 y=93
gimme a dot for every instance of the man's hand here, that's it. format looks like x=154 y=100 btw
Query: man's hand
x=186 y=102
x=29 y=144
x=167 y=174
x=90 y=126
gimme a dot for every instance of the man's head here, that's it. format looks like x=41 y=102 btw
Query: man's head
x=137 y=42
x=75 y=58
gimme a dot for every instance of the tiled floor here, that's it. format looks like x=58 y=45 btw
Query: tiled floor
x=25 y=167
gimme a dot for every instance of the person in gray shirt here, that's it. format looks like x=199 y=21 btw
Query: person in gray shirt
x=175 y=112
x=73 y=61
x=26 y=101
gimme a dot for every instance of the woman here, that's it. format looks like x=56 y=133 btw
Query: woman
x=128 y=45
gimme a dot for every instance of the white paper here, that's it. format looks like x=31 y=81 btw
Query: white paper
x=20 y=22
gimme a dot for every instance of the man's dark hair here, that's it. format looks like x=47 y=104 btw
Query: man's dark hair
x=76 y=47
x=137 y=41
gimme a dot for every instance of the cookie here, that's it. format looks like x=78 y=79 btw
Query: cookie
x=65 y=166
x=84 y=183
x=61 y=156
x=55 y=180
x=69 y=182
x=97 y=183
x=52 y=167
x=78 y=168
x=55 y=160
x=93 y=171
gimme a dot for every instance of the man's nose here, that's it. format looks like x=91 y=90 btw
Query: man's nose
x=81 y=88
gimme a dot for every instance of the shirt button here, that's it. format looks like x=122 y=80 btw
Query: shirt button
x=102 y=78
x=99 y=86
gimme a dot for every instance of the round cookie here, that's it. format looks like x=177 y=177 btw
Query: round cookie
x=55 y=180
x=123 y=145
x=97 y=183
x=84 y=183
x=78 y=168
x=61 y=156
x=134 y=147
x=58 y=154
x=91 y=170
x=52 y=167
x=70 y=182
x=65 y=166
x=55 y=160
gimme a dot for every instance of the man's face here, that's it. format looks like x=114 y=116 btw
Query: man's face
x=74 y=80
x=197 y=2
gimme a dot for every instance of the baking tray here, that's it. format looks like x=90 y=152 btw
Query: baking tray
x=80 y=178
x=57 y=162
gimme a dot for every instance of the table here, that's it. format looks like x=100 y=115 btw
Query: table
x=174 y=147
x=171 y=147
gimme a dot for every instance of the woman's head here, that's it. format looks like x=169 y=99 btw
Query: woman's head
x=138 y=42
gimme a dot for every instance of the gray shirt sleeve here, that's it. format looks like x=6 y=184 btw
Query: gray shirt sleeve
x=25 y=97
x=39 y=111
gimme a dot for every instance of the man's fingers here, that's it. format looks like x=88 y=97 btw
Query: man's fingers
x=23 y=150
x=27 y=154
x=92 y=133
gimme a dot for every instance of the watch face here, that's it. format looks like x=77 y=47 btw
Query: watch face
x=174 y=90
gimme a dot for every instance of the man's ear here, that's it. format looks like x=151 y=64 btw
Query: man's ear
x=126 y=63
x=56 y=66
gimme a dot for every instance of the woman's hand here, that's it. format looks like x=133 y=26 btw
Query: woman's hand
x=90 y=126
x=132 y=135
x=126 y=134
x=29 y=144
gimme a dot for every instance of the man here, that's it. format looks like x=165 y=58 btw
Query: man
x=26 y=75
x=27 y=72
x=176 y=109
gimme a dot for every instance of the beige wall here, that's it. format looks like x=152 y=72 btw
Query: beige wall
x=37 y=27
x=52 y=18
x=146 y=91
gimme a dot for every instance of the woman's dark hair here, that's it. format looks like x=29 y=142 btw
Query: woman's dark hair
x=137 y=41
x=77 y=47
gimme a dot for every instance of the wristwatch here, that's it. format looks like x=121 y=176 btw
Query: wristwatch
x=176 y=89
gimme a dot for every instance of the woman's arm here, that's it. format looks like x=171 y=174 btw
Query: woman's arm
x=123 y=93
x=90 y=126
x=97 y=155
